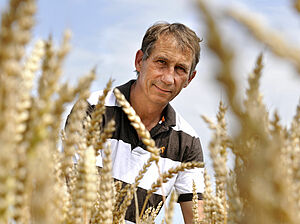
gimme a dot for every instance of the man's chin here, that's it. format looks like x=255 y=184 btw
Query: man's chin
x=161 y=100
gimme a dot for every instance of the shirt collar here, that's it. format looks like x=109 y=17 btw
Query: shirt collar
x=125 y=89
x=168 y=113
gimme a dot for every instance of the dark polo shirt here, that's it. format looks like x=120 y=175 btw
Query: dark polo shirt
x=173 y=135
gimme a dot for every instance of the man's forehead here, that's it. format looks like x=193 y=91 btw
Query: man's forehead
x=163 y=45
x=171 y=40
x=163 y=38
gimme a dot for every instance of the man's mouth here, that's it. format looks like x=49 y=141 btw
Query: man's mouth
x=162 y=89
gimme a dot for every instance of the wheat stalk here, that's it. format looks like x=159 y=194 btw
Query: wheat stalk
x=272 y=39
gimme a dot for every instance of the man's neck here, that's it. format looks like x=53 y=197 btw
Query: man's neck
x=149 y=112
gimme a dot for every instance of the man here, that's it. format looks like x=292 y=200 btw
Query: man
x=165 y=65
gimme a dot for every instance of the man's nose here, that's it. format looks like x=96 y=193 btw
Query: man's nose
x=168 y=76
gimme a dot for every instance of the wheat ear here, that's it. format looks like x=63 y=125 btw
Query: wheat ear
x=291 y=158
x=207 y=199
x=297 y=5
x=272 y=39
x=195 y=205
x=168 y=175
x=106 y=187
x=94 y=132
x=146 y=216
x=16 y=24
x=169 y=211
x=254 y=100
x=235 y=204
x=137 y=124
x=218 y=146
x=147 y=140
x=31 y=66
x=86 y=185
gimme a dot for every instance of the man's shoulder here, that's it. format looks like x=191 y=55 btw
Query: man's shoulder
x=184 y=126
x=110 y=99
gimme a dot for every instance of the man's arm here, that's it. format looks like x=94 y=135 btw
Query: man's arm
x=187 y=211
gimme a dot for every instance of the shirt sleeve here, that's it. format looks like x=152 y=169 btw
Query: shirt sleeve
x=184 y=181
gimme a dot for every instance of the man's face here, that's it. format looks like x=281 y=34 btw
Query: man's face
x=166 y=71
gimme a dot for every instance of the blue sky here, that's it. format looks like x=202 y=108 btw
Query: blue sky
x=107 y=34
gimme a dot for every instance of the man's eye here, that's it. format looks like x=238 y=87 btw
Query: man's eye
x=181 y=69
x=161 y=62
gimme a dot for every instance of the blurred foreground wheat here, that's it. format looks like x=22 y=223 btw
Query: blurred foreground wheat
x=41 y=184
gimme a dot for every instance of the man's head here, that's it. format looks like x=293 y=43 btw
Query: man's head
x=166 y=63
x=186 y=38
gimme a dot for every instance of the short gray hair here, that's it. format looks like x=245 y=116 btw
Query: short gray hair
x=184 y=35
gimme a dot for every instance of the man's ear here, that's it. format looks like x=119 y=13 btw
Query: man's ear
x=190 y=78
x=138 y=60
